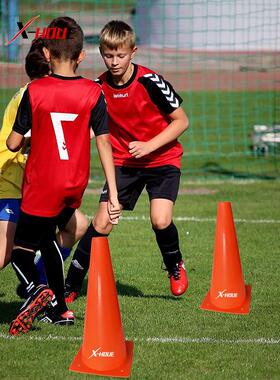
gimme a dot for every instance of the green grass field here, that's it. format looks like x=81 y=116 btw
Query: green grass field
x=173 y=338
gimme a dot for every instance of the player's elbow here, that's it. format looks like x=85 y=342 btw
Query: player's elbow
x=14 y=142
x=184 y=124
x=187 y=124
x=183 y=120
x=103 y=141
x=12 y=146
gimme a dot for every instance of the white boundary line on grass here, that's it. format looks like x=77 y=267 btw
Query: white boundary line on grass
x=156 y=340
x=214 y=340
x=199 y=220
x=232 y=181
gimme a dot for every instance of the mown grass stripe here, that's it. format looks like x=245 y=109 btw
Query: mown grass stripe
x=156 y=340
x=198 y=220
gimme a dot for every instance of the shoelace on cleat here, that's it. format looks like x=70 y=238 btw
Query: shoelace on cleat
x=175 y=272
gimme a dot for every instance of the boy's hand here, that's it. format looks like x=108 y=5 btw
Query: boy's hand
x=139 y=149
x=114 y=210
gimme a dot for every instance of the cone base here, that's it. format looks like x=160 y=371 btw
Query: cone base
x=244 y=309
x=124 y=370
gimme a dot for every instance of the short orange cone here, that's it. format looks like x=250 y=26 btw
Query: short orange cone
x=104 y=350
x=228 y=293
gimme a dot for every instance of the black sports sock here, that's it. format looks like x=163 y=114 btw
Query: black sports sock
x=80 y=262
x=23 y=263
x=54 y=266
x=168 y=242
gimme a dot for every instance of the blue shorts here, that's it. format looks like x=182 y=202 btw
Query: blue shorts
x=9 y=209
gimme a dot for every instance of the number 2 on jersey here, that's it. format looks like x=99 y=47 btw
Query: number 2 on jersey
x=57 y=118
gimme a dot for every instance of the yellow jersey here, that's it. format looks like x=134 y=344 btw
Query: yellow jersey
x=12 y=164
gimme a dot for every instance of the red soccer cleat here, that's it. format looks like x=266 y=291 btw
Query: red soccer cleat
x=36 y=302
x=70 y=296
x=178 y=279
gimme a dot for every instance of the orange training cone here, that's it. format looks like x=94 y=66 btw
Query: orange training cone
x=104 y=350
x=228 y=293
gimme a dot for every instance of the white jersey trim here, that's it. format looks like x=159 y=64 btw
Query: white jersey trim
x=165 y=89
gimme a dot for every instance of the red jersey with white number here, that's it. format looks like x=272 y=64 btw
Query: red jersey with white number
x=138 y=111
x=57 y=168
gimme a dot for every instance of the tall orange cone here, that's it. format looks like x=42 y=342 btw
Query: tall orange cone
x=228 y=293
x=104 y=350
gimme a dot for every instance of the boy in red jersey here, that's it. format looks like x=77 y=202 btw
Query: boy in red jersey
x=60 y=110
x=12 y=166
x=145 y=120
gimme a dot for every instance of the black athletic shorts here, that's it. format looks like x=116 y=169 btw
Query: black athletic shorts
x=32 y=230
x=160 y=182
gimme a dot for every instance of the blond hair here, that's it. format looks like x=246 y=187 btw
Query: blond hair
x=116 y=34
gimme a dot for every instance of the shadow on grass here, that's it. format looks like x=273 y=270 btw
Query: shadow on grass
x=131 y=291
x=9 y=310
x=214 y=168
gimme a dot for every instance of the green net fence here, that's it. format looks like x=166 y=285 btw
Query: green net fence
x=222 y=56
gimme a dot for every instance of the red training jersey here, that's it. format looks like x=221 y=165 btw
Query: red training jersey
x=138 y=111
x=60 y=111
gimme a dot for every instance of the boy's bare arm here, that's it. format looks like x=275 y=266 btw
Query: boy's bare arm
x=177 y=126
x=106 y=158
x=14 y=141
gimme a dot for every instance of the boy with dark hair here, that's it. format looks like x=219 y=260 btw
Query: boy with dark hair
x=60 y=109
x=36 y=65
x=145 y=120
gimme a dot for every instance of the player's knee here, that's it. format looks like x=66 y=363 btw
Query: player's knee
x=82 y=227
x=160 y=222
x=102 y=225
